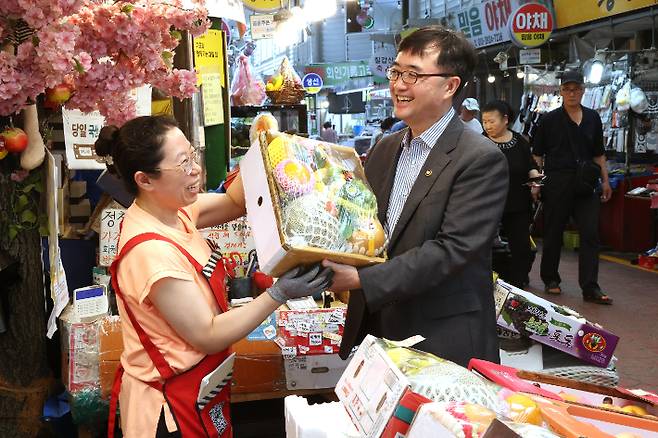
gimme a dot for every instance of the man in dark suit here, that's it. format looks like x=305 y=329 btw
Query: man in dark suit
x=441 y=190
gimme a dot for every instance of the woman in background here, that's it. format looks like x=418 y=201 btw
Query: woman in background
x=496 y=118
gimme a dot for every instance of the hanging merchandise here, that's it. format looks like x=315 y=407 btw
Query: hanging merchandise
x=623 y=97
x=246 y=89
x=638 y=101
x=285 y=87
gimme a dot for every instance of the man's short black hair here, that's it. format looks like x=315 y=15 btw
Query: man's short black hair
x=456 y=53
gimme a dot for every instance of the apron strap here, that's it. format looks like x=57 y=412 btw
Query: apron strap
x=156 y=356
x=114 y=398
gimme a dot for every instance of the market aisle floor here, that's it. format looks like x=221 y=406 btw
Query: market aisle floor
x=633 y=315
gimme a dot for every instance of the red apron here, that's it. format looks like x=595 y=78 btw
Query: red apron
x=210 y=417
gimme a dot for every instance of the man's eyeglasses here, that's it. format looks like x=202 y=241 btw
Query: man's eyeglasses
x=187 y=165
x=411 y=77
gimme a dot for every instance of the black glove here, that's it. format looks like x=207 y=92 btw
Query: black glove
x=296 y=283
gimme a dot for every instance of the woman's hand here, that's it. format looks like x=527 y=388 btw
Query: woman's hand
x=297 y=284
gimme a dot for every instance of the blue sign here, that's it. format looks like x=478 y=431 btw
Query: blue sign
x=312 y=83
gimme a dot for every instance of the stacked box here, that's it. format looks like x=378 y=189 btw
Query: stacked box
x=309 y=332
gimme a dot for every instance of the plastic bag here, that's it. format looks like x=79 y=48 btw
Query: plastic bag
x=246 y=89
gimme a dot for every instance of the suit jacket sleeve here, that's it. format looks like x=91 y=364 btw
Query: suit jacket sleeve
x=470 y=220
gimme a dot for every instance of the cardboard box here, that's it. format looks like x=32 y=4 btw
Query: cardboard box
x=559 y=388
x=370 y=388
x=275 y=254
x=574 y=421
x=110 y=349
x=258 y=368
x=313 y=331
x=555 y=326
x=313 y=372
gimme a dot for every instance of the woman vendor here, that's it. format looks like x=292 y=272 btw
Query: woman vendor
x=170 y=286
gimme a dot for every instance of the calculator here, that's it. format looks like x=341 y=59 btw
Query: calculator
x=90 y=301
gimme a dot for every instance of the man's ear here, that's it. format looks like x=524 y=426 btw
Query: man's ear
x=143 y=181
x=453 y=85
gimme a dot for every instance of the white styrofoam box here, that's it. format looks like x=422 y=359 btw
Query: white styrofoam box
x=314 y=371
x=324 y=420
x=529 y=360
x=370 y=388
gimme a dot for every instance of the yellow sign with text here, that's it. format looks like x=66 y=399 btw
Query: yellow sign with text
x=568 y=14
x=209 y=55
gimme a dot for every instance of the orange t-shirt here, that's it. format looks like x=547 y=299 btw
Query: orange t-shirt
x=144 y=265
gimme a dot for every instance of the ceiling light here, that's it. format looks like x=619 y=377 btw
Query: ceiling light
x=491 y=79
x=519 y=73
x=595 y=72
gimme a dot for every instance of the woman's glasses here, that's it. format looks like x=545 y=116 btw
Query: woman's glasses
x=187 y=165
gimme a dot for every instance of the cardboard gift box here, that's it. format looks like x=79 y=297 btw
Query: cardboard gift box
x=404 y=413
x=300 y=208
x=553 y=325
x=563 y=389
x=370 y=388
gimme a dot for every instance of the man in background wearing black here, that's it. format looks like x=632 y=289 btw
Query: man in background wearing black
x=567 y=138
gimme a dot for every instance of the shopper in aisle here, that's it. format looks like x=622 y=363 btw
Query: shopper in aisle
x=328 y=134
x=440 y=190
x=468 y=113
x=170 y=285
x=568 y=145
x=384 y=129
x=496 y=118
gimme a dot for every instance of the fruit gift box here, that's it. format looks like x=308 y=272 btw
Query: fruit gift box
x=308 y=200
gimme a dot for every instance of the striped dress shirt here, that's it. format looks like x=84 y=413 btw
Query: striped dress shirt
x=412 y=159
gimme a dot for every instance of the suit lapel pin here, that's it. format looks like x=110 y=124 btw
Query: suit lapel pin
x=428 y=172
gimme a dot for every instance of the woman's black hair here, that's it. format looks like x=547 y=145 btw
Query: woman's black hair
x=456 y=53
x=136 y=146
x=326 y=125
x=501 y=106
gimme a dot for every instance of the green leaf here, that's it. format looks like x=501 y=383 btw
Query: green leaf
x=127 y=9
x=13 y=231
x=21 y=203
x=28 y=188
x=38 y=187
x=176 y=34
x=43 y=231
x=28 y=217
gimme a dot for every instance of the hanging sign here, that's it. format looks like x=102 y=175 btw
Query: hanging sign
x=531 y=25
x=529 y=56
x=566 y=14
x=485 y=24
x=312 y=83
x=108 y=243
x=209 y=61
x=262 y=26
x=382 y=58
